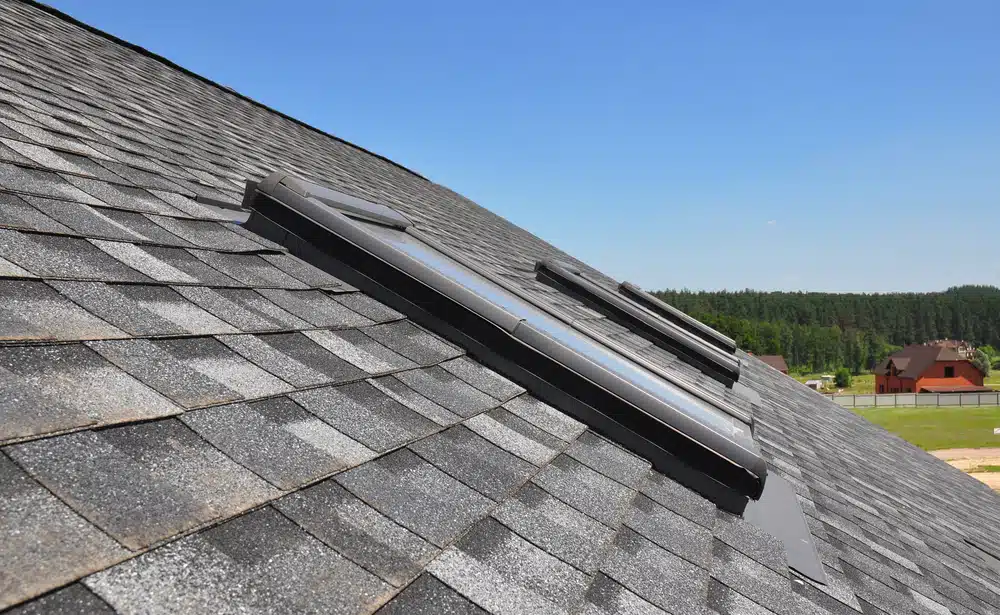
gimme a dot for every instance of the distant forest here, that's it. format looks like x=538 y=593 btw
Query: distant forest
x=824 y=331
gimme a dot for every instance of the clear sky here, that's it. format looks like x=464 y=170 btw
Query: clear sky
x=781 y=145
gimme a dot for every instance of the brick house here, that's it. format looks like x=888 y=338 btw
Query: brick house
x=928 y=369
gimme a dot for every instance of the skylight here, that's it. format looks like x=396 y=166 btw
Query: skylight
x=677 y=317
x=722 y=366
x=685 y=436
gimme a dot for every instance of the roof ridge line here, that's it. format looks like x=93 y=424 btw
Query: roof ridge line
x=155 y=56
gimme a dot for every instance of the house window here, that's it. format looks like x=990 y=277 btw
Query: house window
x=949 y=371
x=881 y=388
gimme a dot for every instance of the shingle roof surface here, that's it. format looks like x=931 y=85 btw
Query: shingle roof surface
x=195 y=421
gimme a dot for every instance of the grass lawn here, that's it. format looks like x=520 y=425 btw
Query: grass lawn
x=938 y=428
x=986 y=468
x=860 y=384
x=993 y=380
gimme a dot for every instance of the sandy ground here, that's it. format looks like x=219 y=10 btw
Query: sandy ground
x=968 y=458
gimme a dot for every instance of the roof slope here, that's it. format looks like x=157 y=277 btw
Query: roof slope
x=194 y=420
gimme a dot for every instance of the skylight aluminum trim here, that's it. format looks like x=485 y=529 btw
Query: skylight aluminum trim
x=721 y=366
x=347 y=204
x=628 y=353
x=511 y=335
x=677 y=317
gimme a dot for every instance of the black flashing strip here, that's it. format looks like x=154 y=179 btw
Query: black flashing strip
x=708 y=359
x=677 y=317
x=718 y=468
x=155 y=56
x=778 y=513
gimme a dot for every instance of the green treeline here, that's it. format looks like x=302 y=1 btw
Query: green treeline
x=823 y=331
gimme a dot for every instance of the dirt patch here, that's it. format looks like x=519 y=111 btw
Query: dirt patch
x=966 y=459
x=992 y=479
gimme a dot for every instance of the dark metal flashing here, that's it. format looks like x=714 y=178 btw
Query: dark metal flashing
x=721 y=366
x=501 y=341
x=155 y=56
x=677 y=317
x=778 y=513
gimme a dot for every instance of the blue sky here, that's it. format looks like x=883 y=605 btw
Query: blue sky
x=781 y=145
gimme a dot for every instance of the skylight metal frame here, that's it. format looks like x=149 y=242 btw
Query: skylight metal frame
x=604 y=340
x=677 y=443
x=721 y=366
x=679 y=318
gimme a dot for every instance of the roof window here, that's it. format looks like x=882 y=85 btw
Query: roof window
x=677 y=317
x=720 y=365
x=378 y=250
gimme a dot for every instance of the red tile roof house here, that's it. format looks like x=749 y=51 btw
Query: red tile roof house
x=776 y=361
x=928 y=369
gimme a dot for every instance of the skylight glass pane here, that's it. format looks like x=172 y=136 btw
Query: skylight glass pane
x=708 y=415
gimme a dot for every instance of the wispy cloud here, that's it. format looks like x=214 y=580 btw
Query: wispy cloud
x=772 y=222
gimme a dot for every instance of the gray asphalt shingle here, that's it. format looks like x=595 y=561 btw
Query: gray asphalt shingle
x=429 y=596
x=366 y=414
x=45 y=543
x=585 y=490
x=67 y=386
x=258 y=562
x=64 y=257
x=556 y=527
x=416 y=495
x=360 y=350
x=142 y=483
x=358 y=532
x=33 y=311
x=503 y=573
x=413 y=342
x=461 y=453
x=277 y=440
x=450 y=392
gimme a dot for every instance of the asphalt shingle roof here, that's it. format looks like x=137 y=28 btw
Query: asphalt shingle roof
x=193 y=420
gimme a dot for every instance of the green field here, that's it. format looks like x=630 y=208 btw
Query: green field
x=860 y=384
x=939 y=428
x=987 y=468
x=993 y=380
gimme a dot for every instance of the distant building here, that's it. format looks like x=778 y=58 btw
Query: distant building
x=776 y=361
x=963 y=348
x=924 y=368
x=815 y=385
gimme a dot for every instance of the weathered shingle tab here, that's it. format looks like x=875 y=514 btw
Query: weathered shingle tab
x=66 y=386
x=268 y=564
x=367 y=414
x=34 y=311
x=358 y=532
x=418 y=496
x=45 y=542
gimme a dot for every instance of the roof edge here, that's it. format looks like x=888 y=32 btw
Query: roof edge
x=146 y=52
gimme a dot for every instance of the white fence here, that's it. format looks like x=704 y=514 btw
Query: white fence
x=913 y=400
